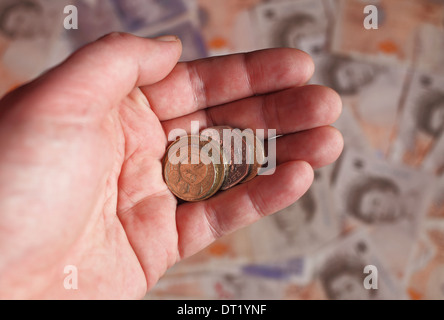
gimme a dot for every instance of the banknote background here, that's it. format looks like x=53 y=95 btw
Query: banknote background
x=381 y=203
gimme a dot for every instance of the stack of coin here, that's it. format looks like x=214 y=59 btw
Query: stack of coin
x=195 y=167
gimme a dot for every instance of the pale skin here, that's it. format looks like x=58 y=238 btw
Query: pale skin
x=80 y=161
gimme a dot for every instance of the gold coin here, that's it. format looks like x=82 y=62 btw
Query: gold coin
x=193 y=169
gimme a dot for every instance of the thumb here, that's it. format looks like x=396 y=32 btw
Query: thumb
x=111 y=67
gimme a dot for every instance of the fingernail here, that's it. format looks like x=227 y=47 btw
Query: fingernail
x=167 y=38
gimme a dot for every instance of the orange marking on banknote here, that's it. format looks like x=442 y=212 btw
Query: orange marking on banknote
x=415 y=295
x=218 y=43
x=219 y=249
x=388 y=47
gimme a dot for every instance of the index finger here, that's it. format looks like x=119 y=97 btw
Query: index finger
x=199 y=84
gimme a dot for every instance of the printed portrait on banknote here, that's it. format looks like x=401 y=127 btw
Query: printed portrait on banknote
x=388 y=200
x=371 y=91
x=375 y=199
x=422 y=121
x=340 y=270
x=288 y=23
x=342 y=278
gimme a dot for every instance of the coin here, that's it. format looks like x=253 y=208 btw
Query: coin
x=190 y=174
x=257 y=152
x=235 y=153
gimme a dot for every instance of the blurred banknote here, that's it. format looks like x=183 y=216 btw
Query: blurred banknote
x=430 y=48
x=96 y=18
x=422 y=120
x=226 y=26
x=296 y=270
x=388 y=200
x=299 y=229
x=193 y=44
x=28 y=29
x=146 y=18
x=371 y=91
x=229 y=284
x=339 y=270
x=398 y=25
x=287 y=23
x=138 y=14
x=331 y=6
x=435 y=159
x=354 y=139
x=426 y=276
x=436 y=205
x=235 y=248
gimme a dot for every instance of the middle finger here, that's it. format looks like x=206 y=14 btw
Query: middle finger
x=287 y=111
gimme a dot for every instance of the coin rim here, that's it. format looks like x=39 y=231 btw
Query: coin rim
x=229 y=161
x=256 y=166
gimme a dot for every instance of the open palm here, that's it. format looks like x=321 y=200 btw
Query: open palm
x=80 y=161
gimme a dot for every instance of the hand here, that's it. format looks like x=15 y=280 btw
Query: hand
x=80 y=161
